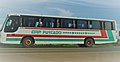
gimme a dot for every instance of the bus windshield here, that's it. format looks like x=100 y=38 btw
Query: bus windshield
x=12 y=24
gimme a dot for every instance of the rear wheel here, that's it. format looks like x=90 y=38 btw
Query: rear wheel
x=27 y=42
x=89 y=42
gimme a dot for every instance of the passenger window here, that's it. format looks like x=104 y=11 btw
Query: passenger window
x=82 y=24
x=29 y=21
x=66 y=23
x=113 y=25
x=108 y=25
x=96 y=25
x=47 y=22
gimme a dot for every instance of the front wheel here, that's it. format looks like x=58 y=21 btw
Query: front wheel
x=27 y=42
x=89 y=42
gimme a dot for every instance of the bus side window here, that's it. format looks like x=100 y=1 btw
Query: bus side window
x=108 y=25
x=48 y=22
x=82 y=24
x=70 y=25
x=67 y=23
x=102 y=25
x=39 y=23
x=58 y=23
x=113 y=25
x=90 y=26
x=29 y=21
x=95 y=24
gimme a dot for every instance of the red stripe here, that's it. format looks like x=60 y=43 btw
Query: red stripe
x=103 y=35
x=55 y=36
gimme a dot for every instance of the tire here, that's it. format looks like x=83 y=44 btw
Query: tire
x=89 y=42
x=27 y=42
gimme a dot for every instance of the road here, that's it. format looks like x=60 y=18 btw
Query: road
x=110 y=54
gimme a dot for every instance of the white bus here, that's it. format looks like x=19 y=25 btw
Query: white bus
x=29 y=29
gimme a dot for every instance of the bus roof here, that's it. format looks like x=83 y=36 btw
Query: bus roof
x=59 y=17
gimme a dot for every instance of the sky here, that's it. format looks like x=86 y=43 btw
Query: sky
x=101 y=9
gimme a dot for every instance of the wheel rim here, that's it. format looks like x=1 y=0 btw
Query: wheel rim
x=89 y=42
x=28 y=42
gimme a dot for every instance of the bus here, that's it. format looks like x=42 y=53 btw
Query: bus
x=31 y=29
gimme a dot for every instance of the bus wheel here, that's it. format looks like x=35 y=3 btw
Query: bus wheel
x=89 y=42
x=27 y=42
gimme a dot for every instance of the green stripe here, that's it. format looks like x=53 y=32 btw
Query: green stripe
x=13 y=39
x=51 y=40
x=110 y=37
